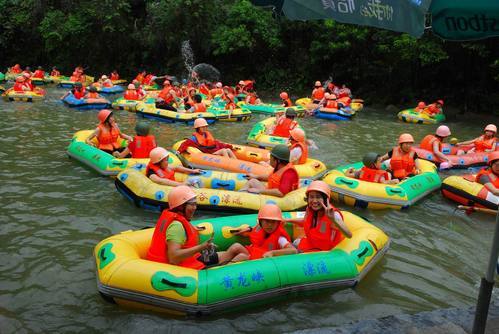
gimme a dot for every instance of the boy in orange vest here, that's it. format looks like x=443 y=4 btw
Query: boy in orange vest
x=371 y=171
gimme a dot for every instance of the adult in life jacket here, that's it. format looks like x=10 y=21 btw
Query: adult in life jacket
x=484 y=143
x=166 y=97
x=286 y=101
x=198 y=106
x=285 y=124
x=281 y=181
x=420 y=107
x=403 y=160
x=331 y=102
x=434 y=108
x=176 y=241
x=78 y=91
x=252 y=98
x=323 y=223
x=490 y=177
x=141 y=145
x=141 y=76
x=318 y=93
x=104 y=81
x=372 y=170
x=298 y=149
x=433 y=143
x=159 y=172
x=268 y=238
x=344 y=91
x=203 y=140
x=55 y=72
x=39 y=73
x=115 y=75
x=131 y=93
x=217 y=91
x=20 y=85
x=107 y=133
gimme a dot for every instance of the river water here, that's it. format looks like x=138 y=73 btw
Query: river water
x=54 y=211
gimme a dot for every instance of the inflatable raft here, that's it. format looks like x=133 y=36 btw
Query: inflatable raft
x=372 y=195
x=247 y=161
x=38 y=81
x=271 y=109
x=412 y=116
x=343 y=114
x=119 y=82
x=125 y=277
x=149 y=110
x=2 y=89
x=103 y=162
x=116 y=89
x=258 y=135
x=464 y=190
x=224 y=115
x=11 y=95
x=216 y=191
x=86 y=104
x=2 y=77
x=124 y=104
x=70 y=84
x=458 y=161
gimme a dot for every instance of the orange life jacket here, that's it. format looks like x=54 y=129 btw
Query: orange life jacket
x=204 y=90
x=274 y=180
x=199 y=107
x=115 y=76
x=427 y=143
x=344 y=92
x=251 y=98
x=287 y=103
x=230 y=105
x=162 y=173
x=205 y=139
x=131 y=94
x=55 y=73
x=165 y=94
x=158 y=251
x=304 y=152
x=402 y=164
x=284 y=125
x=39 y=74
x=15 y=70
x=318 y=94
x=482 y=144
x=331 y=104
x=79 y=93
x=92 y=95
x=142 y=146
x=108 y=138
x=490 y=174
x=19 y=87
x=140 y=78
x=373 y=175
x=432 y=109
x=261 y=242
x=323 y=236
x=148 y=79
x=216 y=91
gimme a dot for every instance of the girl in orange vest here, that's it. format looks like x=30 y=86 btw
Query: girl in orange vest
x=323 y=223
x=55 y=72
x=252 y=98
x=268 y=238
x=158 y=171
x=286 y=101
x=403 y=160
x=484 y=143
x=281 y=181
x=317 y=93
x=490 y=176
x=107 y=133
x=433 y=143
x=141 y=145
x=298 y=151
x=176 y=241
x=371 y=172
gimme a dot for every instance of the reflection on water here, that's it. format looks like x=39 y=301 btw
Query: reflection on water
x=54 y=211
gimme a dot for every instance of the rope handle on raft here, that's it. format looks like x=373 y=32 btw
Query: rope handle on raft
x=173 y=284
x=346 y=181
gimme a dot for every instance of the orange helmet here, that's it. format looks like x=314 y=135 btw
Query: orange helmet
x=297 y=134
x=104 y=114
x=319 y=186
x=179 y=195
x=443 y=131
x=284 y=95
x=157 y=154
x=131 y=86
x=491 y=128
x=406 y=138
x=493 y=157
x=271 y=212
x=421 y=104
x=318 y=84
x=200 y=122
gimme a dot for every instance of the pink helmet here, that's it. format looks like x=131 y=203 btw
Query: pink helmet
x=441 y=102
x=297 y=134
x=421 y=104
x=491 y=128
x=319 y=186
x=200 y=122
x=104 y=114
x=180 y=195
x=103 y=77
x=270 y=212
x=131 y=86
x=241 y=83
x=443 y=131
x=218 y=85
x=26 y=75
x=406 y=138
x=157 y=154
x=284 y=95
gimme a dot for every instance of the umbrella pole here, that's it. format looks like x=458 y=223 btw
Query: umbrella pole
x=486 y=286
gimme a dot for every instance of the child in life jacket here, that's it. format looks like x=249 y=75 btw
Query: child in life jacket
x=318 y=93
x=78 y=91
x=20 y=85
x=131 y=93
x=141 y=145
x=298 y=150
x=198 y=106
x=107 y=133
x=285 y=124
x=371 y=171
x=323 y=223
x=92 y=93
x=159 y=172
x=403 y=160
x=490 y=177
x=434 y=108
x=268 y=238
x=433 y=143
x=484 y=143
x=115 y=75
x=39 y=73
x=420 y=107
x=286 y=101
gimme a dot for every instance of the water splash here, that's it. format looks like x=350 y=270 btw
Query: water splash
x=206 y=72
x=188 y=56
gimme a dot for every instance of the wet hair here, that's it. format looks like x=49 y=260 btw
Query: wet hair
x=197 y=98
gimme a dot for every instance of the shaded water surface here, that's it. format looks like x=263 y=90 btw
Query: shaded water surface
x=54 y=211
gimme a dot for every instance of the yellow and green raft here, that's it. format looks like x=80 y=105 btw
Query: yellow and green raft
x=259 y=136
x=124 y=275
x=412 y=116
x=371 y=195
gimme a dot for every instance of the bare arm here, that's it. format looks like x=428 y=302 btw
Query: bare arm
x=337 y=220
x=92 y=136
x=289 y=249
x=166 y=182
x=121 y=154
x=439 y=154
x=177 y=254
